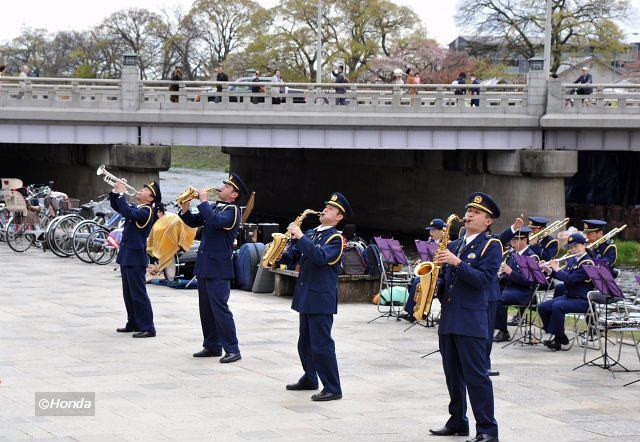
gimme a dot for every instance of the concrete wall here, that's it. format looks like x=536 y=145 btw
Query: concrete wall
x=73 y=167
x=394 y=191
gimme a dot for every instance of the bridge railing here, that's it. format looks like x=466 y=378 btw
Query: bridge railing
x=600 y=98
x=329 y=97
x=59 y=92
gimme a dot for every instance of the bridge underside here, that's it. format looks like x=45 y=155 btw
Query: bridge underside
x=401 y=190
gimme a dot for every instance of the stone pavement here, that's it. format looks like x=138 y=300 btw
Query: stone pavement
x=58 y=319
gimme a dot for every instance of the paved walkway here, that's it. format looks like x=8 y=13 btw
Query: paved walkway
x=57 y=333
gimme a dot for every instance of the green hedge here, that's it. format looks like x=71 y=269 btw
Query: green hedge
x=628 y=252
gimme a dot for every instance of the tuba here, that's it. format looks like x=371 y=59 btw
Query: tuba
x=193 y=193
x=428 y=274
x=111 y=179
x=274 y=250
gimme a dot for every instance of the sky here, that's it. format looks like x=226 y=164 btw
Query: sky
x=438 y=15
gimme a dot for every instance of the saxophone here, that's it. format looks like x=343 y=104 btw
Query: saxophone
x=274 y=250
x=428 y=274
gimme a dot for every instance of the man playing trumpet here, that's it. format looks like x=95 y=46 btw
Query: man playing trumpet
x=577 y=284
x=132 y=255
x=214 y=266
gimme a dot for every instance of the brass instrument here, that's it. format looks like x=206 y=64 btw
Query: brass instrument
x=112 y=180
x=275 y=249
x=549 y=230
x=598 y=242
x=193 y=193
x=428 y=273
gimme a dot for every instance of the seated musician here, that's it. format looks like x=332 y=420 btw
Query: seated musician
x=435 y=229
x=607 y=251
x=577 y=284
x=547 y=247
x=516 y=290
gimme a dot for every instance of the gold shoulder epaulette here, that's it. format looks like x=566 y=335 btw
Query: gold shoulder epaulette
x=148 y=218
x=486 y=246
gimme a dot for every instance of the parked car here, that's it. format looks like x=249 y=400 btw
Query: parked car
x=297 y=94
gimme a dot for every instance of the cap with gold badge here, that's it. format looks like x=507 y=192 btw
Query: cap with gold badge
x=485 y=203
x=340 y=201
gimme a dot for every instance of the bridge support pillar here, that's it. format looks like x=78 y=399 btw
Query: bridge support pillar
x=73 y=167
x=401 y=191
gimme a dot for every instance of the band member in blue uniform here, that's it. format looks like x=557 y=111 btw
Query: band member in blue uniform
x=435 y=229
x=214 y=266
x=577 y=284
x=132 y=255
x=547 y=248
x=515 y=289
x=469 y=274
x=318 y=253
x=607 y=251
x=494 y=294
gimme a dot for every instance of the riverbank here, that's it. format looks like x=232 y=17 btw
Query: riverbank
x=201 y=158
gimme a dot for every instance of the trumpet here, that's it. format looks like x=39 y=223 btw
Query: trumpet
x=598 y=242
x=193 y=193
x=112 y=180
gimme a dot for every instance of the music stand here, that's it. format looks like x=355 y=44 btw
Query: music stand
x=392 y=254
x=531 y=271
x=426 y=249
x=603 y=280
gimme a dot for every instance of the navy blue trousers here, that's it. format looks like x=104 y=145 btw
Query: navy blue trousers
x=492 y=306
x=552 y=312
x=317 y=352
x=464 y=360
x=559 y=290
x=411 y=300
x=218 y=327
x=510 y=296
x=136 y=300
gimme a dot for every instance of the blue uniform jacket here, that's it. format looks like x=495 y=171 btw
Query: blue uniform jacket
x=547 y=249
x=607 y=252
x=575 y=278
x=319 y=256
x=464 y=290
x=505 y=237
x=137 y=226
x=516 y=280
x=221 y=223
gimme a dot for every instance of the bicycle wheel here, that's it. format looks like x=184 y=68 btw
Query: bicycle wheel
x=62 y=235
x=17 y=234
x=49 y=236
x=80 y=235
x=98 y=248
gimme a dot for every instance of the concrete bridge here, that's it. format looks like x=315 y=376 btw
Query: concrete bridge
x=402 y=157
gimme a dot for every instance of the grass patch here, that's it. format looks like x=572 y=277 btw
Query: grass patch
x=628 y=252
x=206 y=158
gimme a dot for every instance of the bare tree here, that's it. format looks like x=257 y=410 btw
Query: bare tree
x=577 y=24
x=137 y=29
x=225 y=26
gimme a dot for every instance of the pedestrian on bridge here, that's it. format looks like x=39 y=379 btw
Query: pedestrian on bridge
x=176 y=76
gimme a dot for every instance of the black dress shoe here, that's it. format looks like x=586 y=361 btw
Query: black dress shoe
x=301 y=386
x=125 y=330
x=407 y=317
x=493 y=372
x=445 y=431
x=552 y=344
x=502 y=336
x=207 y=353
x=144 y=334
x=230 y=357
x=325 y=396
x=483 y=438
